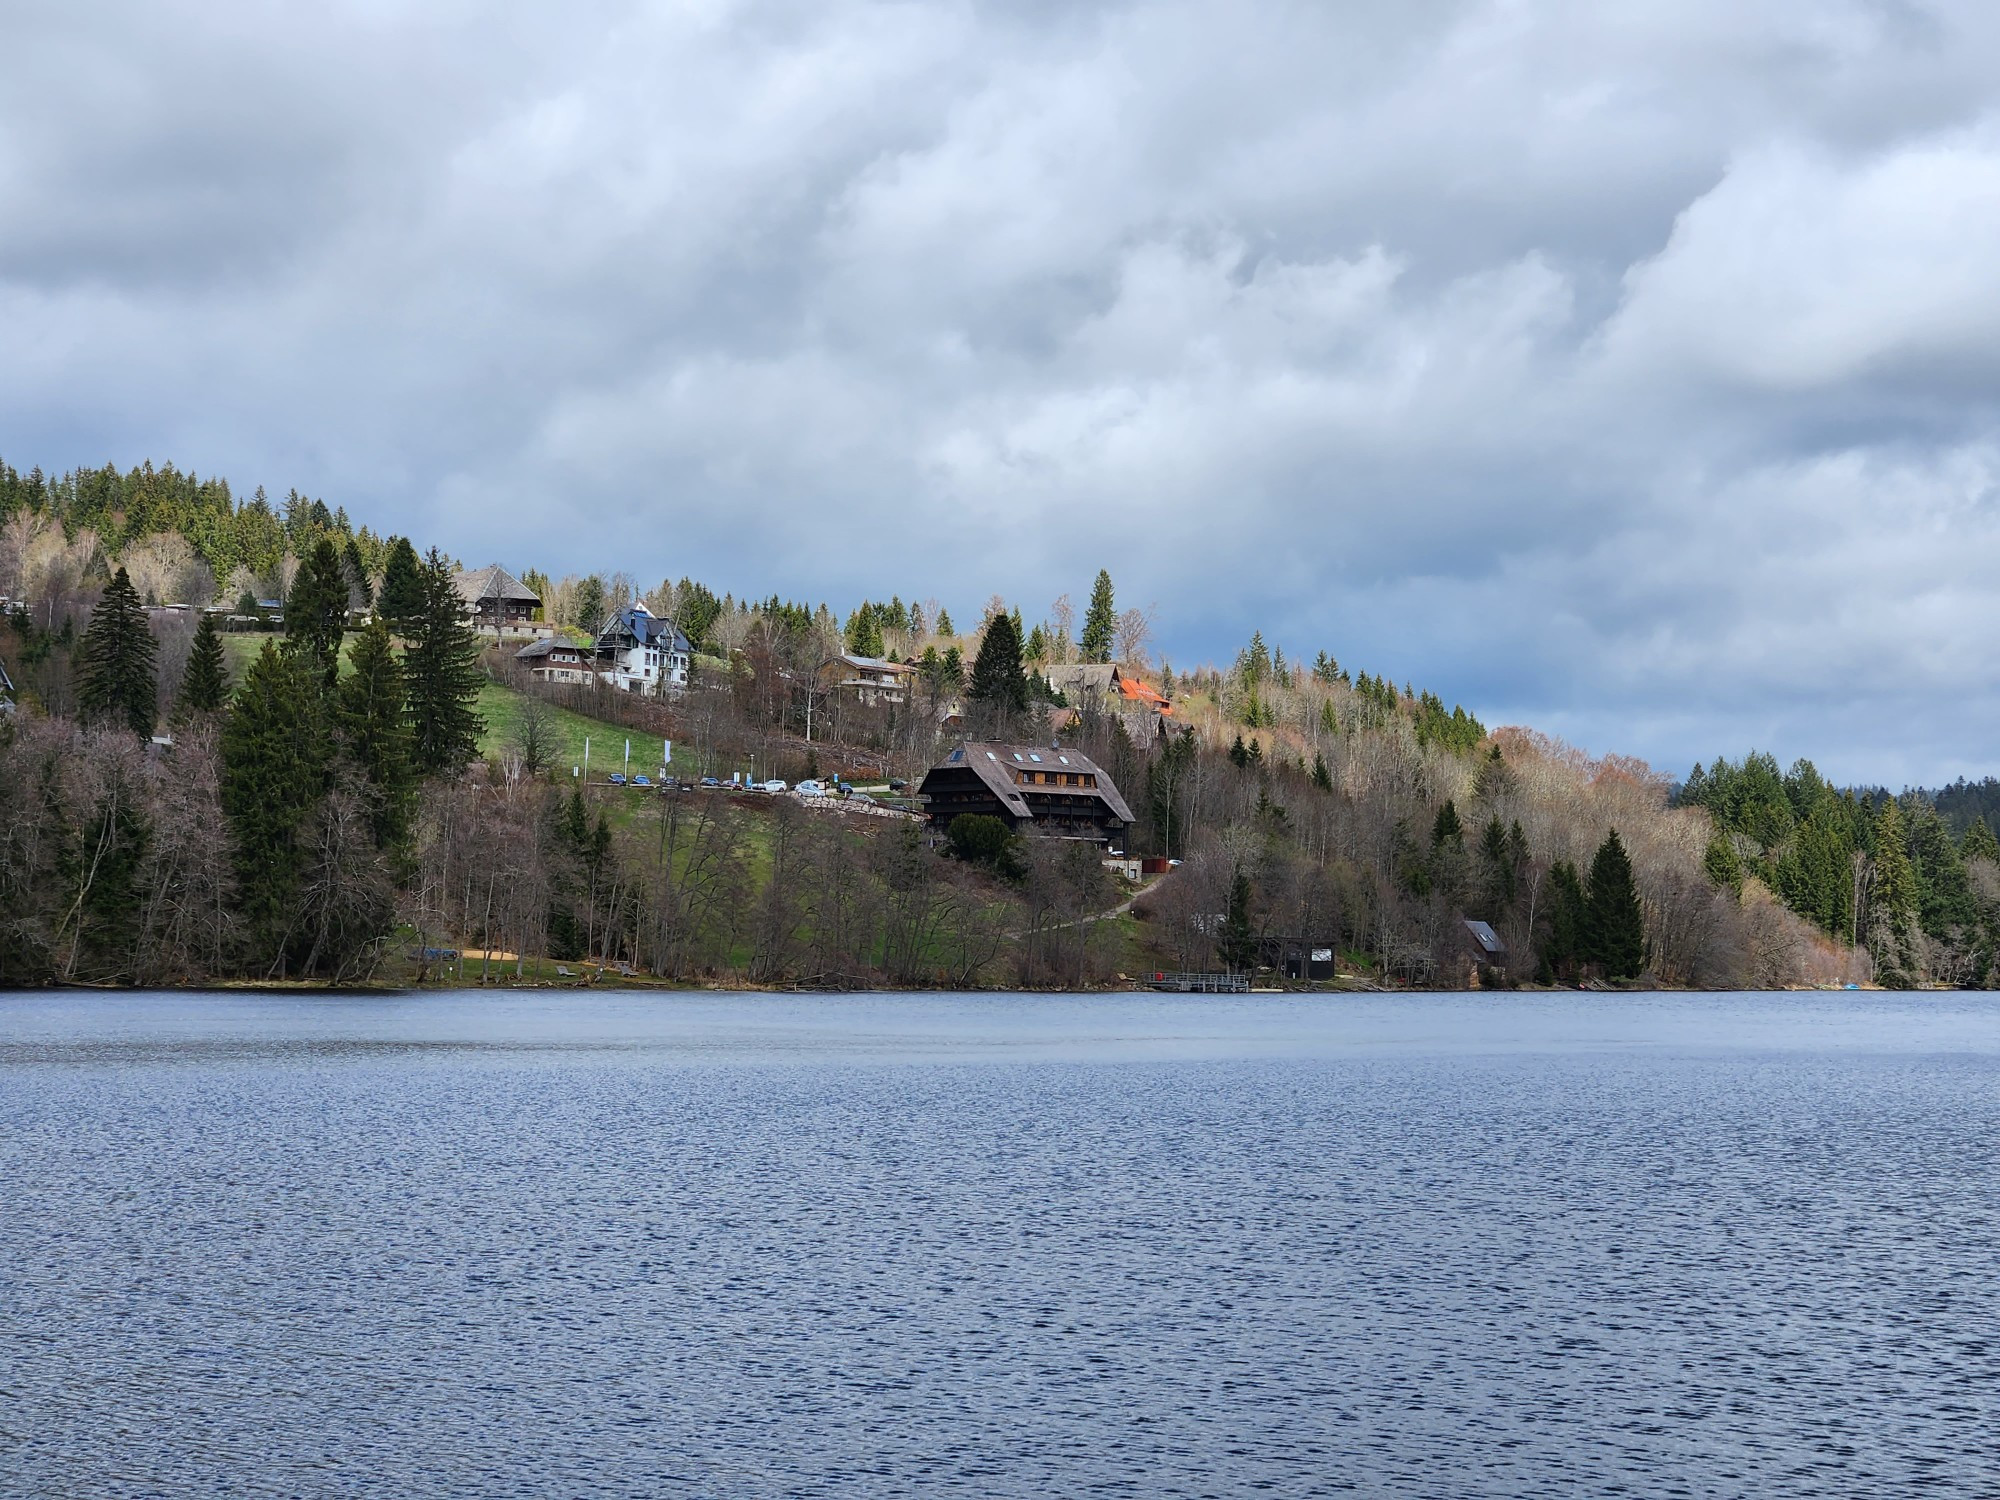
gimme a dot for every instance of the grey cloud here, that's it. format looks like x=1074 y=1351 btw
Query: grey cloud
x=1622 y=370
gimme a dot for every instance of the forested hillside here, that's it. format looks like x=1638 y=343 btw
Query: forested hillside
x=331 y=805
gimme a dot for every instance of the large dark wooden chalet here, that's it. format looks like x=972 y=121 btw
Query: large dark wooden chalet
x=496 y=599
x=1040 y=789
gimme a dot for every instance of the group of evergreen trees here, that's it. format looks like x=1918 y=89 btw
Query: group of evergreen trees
x=123 y=507
x=1595 y=925
x=1863 y=866
x=317 y=767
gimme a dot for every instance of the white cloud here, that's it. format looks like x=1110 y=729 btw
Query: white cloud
x=1619 y=369
x=1801 y=270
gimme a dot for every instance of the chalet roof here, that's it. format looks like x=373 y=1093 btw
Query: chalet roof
x=636 y=625
x=492 y=582
x=538 y=649
x=1089 y=676
x=1136 y=691
x=1487 y=939
x=872 y=663
x=993 y=761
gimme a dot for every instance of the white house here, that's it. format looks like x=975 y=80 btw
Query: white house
x=642 y=653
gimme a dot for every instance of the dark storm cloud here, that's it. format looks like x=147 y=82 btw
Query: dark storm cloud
x=1621 y=370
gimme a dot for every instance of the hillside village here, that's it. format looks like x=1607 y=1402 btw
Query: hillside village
x=666 y=783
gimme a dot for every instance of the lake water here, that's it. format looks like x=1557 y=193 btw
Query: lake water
x=619 y=1245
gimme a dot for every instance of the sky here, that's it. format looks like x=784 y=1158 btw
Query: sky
x=1626 y=371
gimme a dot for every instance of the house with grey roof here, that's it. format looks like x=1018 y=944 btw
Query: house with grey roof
x=496 y=599
x=641 y=653
x=557 y=659
x=871 y=679
x=1050 y=790
x=1485 y=952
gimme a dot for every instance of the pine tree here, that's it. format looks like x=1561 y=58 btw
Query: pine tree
x=588 y=610
x=997 y=678
x=357 y=575
x=1614 y=929
x=1446 y=828
x=1945 y=902
x=402 y=585
x=1100 y=621
x=1322 y=778
x=316 y=610
x=1496 y=855
x=864 y=631
x=205 y=682
x=1892 y=922
x=1563 y=950
x=1979 y=842
x=275 y=755
x=441 y=675
x=370 y=710
x=1239 y=753
x=117 y=682
x=1256 y=665
x=944 y=626
x=1236 y=944
x=1722 y=864
x=1815 y=875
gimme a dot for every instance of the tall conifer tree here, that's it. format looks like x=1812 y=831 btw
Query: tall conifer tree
x=1614 y=926
x=1722 y=864
x=275 y=755
x=205 y=683
x=358 y=591
x=441 y=675
x=1979 y=842
x=1236 y=945
x=402 y=597
x=117 y=678
x=1100 y=621
x=1892 y=919
x=316 y=610
x=997 y=678
x=370 y=709
x=1563 y=950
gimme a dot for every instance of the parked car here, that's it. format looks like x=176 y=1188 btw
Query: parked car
x=860 y=799
x=810 y=788
x=897 y=784
x=642 y=780
x=774 y=785
x=617 y=778
x=710 y=781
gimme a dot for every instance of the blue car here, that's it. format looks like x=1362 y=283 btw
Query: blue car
x=617 y=778
x=642 y=781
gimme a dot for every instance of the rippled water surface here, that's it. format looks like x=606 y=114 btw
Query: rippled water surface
x=997 y=1246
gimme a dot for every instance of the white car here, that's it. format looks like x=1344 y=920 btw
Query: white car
x=810 y=789
x=774 y=785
